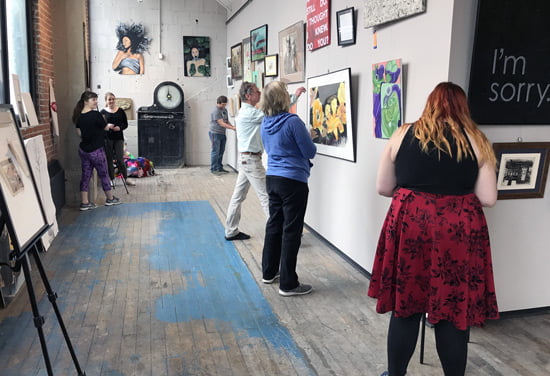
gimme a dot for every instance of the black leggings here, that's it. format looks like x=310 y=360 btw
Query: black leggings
x=451 y=344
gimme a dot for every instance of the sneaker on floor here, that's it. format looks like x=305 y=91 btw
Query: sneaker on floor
x=130 y=183
x=223 y=171
x=239 y=236
x=88 y=206
x=216 y=172
x=113 y=201
x=302 y=289
x=270 y=281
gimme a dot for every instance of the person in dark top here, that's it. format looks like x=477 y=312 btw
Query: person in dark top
x=114 y=141
x=91 y=127
x=433 y=254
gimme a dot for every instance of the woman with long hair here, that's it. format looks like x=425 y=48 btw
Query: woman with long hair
x=131 y=45
x=433 y=255
x=114 y=141
x=91 y=127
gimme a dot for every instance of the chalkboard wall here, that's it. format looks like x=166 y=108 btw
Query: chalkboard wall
x=510 y=72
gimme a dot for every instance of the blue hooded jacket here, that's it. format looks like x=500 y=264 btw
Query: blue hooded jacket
x=288 y=146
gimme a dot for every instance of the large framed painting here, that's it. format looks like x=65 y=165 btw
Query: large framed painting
x=387 y=97
x=330 y=114
x=237 y=61
x=19 y=198
x=291 y=53
x=522 y=169
x=258 y=43
x=196 y=56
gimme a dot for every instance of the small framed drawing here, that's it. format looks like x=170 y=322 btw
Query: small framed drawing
x=229 y=81
x=270 y=64
x=522 y=169
x=237 y=61
x=228 y=62
x=258 y=43
x=345 y=20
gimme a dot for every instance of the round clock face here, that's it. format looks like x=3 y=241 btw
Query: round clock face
x=169 y=96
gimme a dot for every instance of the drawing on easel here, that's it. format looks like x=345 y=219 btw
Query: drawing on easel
x=11 y=176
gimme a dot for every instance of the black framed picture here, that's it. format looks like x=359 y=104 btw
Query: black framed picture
x=19 y=198
x=522 y=169
x=345 y=20
x=237 y=61
x=258 y=43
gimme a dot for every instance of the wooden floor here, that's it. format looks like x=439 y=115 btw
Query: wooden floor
x=335 y=328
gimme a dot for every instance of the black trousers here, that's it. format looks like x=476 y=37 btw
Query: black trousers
x=283 y=231
x=451 y=344
x=114 y=149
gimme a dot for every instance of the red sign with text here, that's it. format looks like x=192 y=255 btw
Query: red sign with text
x=318 y=24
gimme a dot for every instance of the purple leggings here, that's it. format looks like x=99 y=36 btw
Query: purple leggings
x=95 y=159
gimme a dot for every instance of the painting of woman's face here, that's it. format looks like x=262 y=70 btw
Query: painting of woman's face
x=126 y=42
x=195 y=52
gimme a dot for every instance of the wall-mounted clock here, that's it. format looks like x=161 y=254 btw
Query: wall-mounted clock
x=168 y=96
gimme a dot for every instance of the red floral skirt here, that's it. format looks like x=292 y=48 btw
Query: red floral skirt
x=434 y=256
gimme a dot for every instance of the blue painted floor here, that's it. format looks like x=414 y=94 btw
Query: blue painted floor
x=152 y=289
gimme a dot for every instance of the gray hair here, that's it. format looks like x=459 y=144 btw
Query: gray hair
x=275 y=99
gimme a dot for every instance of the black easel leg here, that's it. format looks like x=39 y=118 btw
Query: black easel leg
x=38 y=320
x=422 y=337
x=52 y=296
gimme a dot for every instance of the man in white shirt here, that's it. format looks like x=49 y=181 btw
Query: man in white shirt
x=251 y=169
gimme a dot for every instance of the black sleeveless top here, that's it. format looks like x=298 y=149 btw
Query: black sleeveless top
x=434 y=172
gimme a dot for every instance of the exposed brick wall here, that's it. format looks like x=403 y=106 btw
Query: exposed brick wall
x=43 y=66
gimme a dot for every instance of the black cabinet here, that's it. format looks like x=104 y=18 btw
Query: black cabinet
x=161 y=137
x=161 y=127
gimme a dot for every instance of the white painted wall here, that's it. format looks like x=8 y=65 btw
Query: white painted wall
x=343 y=205
x=166 y=22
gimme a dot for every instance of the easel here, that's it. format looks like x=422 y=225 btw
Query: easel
x=21 y=211
x=21 y=260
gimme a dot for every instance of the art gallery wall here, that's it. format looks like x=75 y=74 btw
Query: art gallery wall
x=166 y=23
x=343 y=205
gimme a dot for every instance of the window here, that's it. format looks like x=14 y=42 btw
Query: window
x=14 y=47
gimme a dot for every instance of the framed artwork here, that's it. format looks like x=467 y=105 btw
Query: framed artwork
x=291 y=51
x=228 y=62
x=330 y=115
x=258 y=43
x=229 y=81
x=131 y=38
x=345 y=20
x=387 y=98
x=522 y=169
x=237 y=61
x=19 y=197
x=318 y=24
x=270 y=65
x=196 y=56
x=247 y=61
x=377 y=12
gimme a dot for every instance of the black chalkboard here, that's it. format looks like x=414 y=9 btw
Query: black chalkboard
x=510 y=72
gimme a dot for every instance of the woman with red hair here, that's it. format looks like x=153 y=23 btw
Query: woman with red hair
x=433 y=255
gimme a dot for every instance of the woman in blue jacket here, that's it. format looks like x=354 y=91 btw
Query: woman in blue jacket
x=289 y=149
